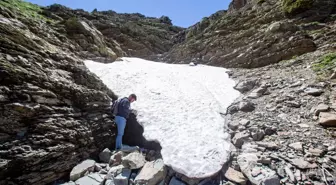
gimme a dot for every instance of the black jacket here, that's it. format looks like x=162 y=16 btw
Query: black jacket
x=124 y=108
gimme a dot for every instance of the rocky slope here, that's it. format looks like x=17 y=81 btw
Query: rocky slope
x=53 y=111
x=254 y=33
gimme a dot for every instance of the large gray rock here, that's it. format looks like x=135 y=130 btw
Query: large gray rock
x=105 y=155
x=91 y=179
x=152 y=173
x=134 y=160
x=79 y=170
x=257 y=174
x=123 y=177
x=115 y=170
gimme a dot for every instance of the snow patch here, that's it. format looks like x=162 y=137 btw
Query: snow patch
x=179 y=106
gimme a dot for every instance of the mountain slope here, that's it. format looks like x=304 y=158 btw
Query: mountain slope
x=254 y=33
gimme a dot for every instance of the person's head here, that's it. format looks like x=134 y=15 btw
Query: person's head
x=132 y=98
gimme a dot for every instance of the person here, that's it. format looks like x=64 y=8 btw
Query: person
x=121 y=117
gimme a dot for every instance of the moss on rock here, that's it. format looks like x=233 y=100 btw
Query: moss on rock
x=292 y=7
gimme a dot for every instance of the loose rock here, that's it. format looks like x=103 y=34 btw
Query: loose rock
x=79 y=170
x=152 y=173
x=134 y=160
x=235 y=176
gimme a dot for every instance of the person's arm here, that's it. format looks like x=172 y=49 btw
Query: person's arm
x=127 y=108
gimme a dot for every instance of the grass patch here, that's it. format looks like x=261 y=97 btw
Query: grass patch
x=260 y=2
x=25 y=9
x=324 y=67
x=292 y=7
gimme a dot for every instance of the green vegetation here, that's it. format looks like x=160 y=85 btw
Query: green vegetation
x=261 y=2
x=26 y=9
x=292 y=7
x=325 y=65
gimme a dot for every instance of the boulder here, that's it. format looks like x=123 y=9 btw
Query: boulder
x=235 y=176
x=83 y=167
x=152 y=173
x=257 y=174
x=91 y=179
x=105 y=155
x=134 y=160
x=327 y=119
x=123 y=177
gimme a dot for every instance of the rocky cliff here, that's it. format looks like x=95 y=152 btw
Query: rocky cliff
x=254 y=33
x=53 y=111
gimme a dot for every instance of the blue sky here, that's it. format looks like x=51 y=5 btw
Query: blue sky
x=182 y=12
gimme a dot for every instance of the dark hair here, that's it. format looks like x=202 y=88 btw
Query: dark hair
x=133 y=96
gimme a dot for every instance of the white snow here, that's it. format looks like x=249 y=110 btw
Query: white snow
x=179 y=106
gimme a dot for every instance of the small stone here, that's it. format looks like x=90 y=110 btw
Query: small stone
x=244 y=122
x=270 y=130
x=105 y=155
x=239 y=139
x=245 y=86
x=80 y=170
x=246 y=106
x=122 y=178
x=297 y=175
x=303 y=125
x=296 y=146
x=290 y=174
x=98 y=167
x=327 y=119
x=235 y=176
x=293 y=104
x=302 y=164
x=320 y=108
x=313 y=91
x=258 y=135
x=233 y=125
x=134 y=160
x=174 y=181
x=316 y=151
x=268 y=145
x=116 y=158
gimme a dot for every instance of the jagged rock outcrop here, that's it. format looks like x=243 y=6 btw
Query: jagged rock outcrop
x=254 y=33
x=115 y=35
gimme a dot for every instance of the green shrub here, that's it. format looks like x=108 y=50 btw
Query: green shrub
x=292 y=7
x=325 y=65
x=26 y=9
x=261 y=2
